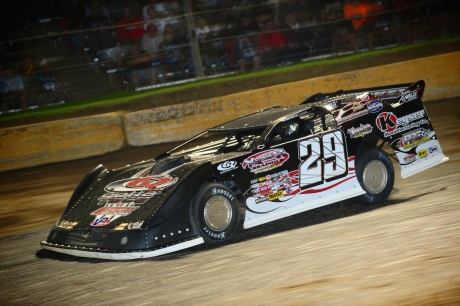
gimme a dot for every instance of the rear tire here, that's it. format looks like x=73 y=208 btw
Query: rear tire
x=375 y=174
x=216 y=212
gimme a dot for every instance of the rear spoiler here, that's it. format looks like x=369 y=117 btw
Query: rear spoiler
x=391 y=92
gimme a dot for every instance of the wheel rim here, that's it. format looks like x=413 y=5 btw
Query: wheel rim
x=375 y=177
x=218 y=213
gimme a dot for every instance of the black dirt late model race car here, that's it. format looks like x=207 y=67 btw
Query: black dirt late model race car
x=258 y=168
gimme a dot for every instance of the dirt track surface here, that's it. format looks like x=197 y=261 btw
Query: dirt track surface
x=403 y=252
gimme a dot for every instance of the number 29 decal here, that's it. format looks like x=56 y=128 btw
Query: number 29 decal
x=323 y=158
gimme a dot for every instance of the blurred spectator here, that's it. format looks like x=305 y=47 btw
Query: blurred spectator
x=12 y=90
x=157 y=7
x=245 y=52
x=213 y=52
x=130 y=29
x=51 y=91
x=155 y=12
x=383 y=25
x=140 y=68
x=96 y=14
x=31 y=82
x=357 y=11
x=171 y=52
x=403 y=13
x=270 y=44
x=96 y=8
x=74 y=22
x=162 y=13
x=298 y=39
x=101 y=38
x=413 y=20
x=443 y=17
x=201 y=28
x=336 y=31
x=151 y=41
x=244 y=48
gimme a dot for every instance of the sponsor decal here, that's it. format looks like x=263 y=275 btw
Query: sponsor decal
x=265 y=160
x=364 y=97
x=223 y=192
x=276 y=195
x=422 y=153
x=375 y=106
x=386 y=122
x=414 y=138
x=352 y=116
x=214 y=235
x=129 y=226
x=360 y=131
x=122 y=197
x=103 y=221
x=433 y=149
x=227 y=166
x=122 y=211
x=284 y=181
x=415 y=142
x=149 y=183
x=408 y=96
x=389 y=124
x=357 y=106
x=67 y=224
x=86 y=244
x=333 y=104
x=410 y=158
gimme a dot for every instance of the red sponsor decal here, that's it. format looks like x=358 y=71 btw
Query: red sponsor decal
x=101 y=221
x=123 y=211
x=265 y=160
x=386 y=122
x=150 y=182
x=410 y=158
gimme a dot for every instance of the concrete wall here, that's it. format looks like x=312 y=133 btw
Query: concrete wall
x=81 y=137
x=55 y=141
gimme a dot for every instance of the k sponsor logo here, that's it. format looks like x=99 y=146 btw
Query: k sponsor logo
x=389 y=124
x=386 y=122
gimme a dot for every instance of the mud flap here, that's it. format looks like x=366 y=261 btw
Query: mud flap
x=427 y=155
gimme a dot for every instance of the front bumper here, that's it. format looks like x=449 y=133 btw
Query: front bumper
x=101 y=253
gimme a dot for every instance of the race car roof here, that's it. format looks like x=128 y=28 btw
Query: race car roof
x=258 y=120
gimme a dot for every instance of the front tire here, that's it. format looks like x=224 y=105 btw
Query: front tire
x=375 y=174
x=216 y=212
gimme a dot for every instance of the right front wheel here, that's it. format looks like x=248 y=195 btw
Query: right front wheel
x=375 y=174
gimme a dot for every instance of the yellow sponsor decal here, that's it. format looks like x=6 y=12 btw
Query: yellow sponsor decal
x=415 y=142
x=276 y=195
x=422 y=153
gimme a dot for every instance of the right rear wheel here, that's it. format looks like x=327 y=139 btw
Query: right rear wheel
x=375 y=174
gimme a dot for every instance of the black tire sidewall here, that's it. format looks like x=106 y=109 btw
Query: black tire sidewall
x=204 y=194
x=364 y=159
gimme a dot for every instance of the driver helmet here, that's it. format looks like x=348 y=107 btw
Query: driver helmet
x=290 y=129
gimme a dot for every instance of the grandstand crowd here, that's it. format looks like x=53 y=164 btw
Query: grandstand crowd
x=151 y=42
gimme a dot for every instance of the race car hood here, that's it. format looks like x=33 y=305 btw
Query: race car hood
x=133 y=197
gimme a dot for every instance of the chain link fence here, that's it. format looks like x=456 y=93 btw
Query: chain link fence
x=72 y=50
